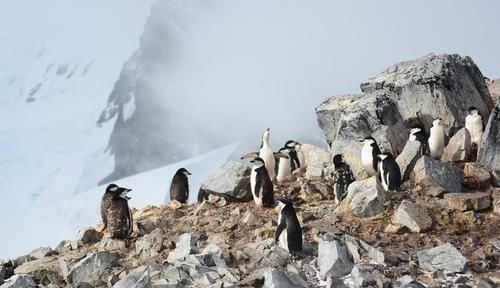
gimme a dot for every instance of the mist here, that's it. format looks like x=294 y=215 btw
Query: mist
x=239 y=67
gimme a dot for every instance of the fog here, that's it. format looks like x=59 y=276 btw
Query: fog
x=242 y=66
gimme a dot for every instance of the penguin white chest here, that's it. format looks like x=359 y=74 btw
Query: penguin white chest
x=367 y=159
x=384 y=176
x=268 y=156
x=283 y=239
x=253 y=188
x=284 y=169
x=474 y=124
x=436 y=142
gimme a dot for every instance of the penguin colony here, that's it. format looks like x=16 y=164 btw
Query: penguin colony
x=118 y=222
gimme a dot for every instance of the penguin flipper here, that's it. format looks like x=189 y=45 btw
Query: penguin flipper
x=279 y=229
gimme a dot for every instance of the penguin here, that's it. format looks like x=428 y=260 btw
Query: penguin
x=115 y=212
x=289 y=232
x=297 y=158
x=389 y=173
x=261 y=184
x=474 y=124
x=369 y=153
x=266 y=153
x=417 y=134
x=342 y=178
x=284 y=165
x=436 y=139
x=179 y=188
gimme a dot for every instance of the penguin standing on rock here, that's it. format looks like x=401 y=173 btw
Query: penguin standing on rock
x=436 y=139
x=474 y=124
x=369 y=153
x=261 y=184
x=179 y=188
x=342 y=178
x=289 y=233
x=389 y=173
x=417 y=134
x=115 y=212
x=284 y=165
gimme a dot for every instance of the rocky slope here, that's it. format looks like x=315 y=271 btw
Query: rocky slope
x=441 y=230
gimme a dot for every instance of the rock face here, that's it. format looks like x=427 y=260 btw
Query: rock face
x=475 y=176
x=137 y=278
x=408 y=158
x=489 y=149
x=365 y=198
x=232 y=182
x=91 y=267
x=412 y=217
x=277 y=279
x=19 y=281
x=444 y=258
x=185 y=246
x=458 y=148
x=334 y=260
x=433 y=86
x=346 y=119
x=365 y=275
x=435 y=177
x=468 y=201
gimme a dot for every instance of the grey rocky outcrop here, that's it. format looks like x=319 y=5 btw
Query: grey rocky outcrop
x=416 y=219
x=489 y=148
x=87 y=235
x=149 y=245
x=434 y=86
x=47 y=269
x=443 y=258
x=334 y=260
x=185 y=246
x=366 y=275
x=408 y=158
x=365 y=198
x=90 y=268
x=278 y=279
x=347 y=119
x=435 y=177
x=458 y=148
x=42 y=252
x=137 y=278
x=19 y=281
x=232 y=182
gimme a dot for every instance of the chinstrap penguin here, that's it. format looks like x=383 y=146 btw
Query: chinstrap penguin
x=284 y=165
x=369 y=153
x=417 y=134
x=297 y=158
x=289 y=232
x=179 y=188
x=115 y=212
x=266 y=153
x=389 y=173
x=474 y=124
x=342 y=178
x=436 y=139
x=261 y=184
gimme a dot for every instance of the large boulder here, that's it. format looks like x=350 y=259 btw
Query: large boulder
x=347 y=119
x=434 y=86
x=468 y=201
x=489 y=148
x=408 y=158
x=416 y=219
x=45 y=270
x=334 y=260
x=137 y=278
x=278 y=279
x=435 y=177
x=232 y=182
x=367 y=275
x=19 y=281
x=185 y=246
x=444 y=258
x=90 y=268
x=365 y=198
x=458 y=148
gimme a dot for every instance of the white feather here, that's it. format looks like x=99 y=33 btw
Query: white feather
x=436 y=140
x=474 y=124
x=284 y=168
x=367 y=157
x=283 y=239
x=253 y=181
x=266 y=153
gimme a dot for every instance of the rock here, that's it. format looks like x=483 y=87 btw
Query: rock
x=87 y=235
x=366 y=275
x=66 y=246
x=232 y=182
x=3 y=273
x=6 y=270
x=90 y=268
x=407 y=282
x=417 y=220
x=444 y=258
x=217 y=254
x=19 y=281
x=408 y=158
x=316 y=158
x=185 y=246
x=475 y=176
x=435 y=177
x=137 y=278
x=495 y=195
x=346 y=119
x=21 y=260
x=110 y=244
x=468 y=201
x=42 y=252
x=45 y=270
x=365 y=198
x=150 y=245
x=335 y=283
x=488 y=154
x=279 y=279
x=458 y=148
x=334 y=260
x=433 y=86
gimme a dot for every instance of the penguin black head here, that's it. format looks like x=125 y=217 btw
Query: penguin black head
x=183 y=171
x=285 y=150
x=338 y=160
x=257 y=161
x=282 y=203
x=368 y=139
x=117 y=191
x=292 y=144
x=473 y=110
x=436 y=122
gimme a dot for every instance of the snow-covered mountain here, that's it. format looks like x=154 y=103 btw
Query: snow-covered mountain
x=57 y=69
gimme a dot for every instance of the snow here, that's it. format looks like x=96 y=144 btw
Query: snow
x=57 y=70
